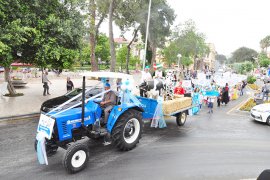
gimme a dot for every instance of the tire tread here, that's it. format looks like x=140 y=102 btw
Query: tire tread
x=119 y=125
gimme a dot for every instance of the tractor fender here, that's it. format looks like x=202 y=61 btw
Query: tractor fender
x=117 y=111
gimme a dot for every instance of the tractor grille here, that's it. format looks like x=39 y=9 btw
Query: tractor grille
x=64 y=127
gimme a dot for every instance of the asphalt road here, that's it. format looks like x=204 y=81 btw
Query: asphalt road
x=216 y=146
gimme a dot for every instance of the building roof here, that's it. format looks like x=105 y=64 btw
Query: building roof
x=121 y=40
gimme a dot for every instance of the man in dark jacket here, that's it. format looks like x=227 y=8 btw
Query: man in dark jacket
x=70 y=85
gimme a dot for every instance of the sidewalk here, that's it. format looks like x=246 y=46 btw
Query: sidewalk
x=32 y=99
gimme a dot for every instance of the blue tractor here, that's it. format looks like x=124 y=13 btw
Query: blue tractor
x=64 y=126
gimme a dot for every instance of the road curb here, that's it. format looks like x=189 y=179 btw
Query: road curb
x=20 y=117
x=236 y=109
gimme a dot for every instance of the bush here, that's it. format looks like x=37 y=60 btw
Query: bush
x=253 y=86
x=264 y=60
x=251 y=79
x=248 y=105
x=243 y=68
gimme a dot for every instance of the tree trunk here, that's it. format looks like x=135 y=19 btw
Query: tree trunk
x=10 y=87
x=128 y=58
x=112 y=47
x=129 y=48
x=94 y=65
x=154 y=54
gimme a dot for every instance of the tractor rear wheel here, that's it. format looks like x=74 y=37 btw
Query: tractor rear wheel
x=76 y=158
x=127 y=130
x=181 y=118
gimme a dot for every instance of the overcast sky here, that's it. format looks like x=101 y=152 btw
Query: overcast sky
x=228 y=24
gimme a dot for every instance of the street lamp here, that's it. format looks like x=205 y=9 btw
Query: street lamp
x=147 y=29
x=179 y=57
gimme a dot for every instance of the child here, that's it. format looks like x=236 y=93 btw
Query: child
x=200 y=99
x=211 y=100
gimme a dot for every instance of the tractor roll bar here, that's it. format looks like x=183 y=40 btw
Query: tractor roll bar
x=93 y=97
x=58 y=107
x=83 y=98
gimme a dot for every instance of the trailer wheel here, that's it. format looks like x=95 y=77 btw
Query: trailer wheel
x=127 y=130
x=76 y=158
x=181 y=118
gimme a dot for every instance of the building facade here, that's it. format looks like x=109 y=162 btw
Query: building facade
x=210 y=59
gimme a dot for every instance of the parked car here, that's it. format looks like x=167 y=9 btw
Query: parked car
x=19 y=82
x=261 y=113
x=54 y=102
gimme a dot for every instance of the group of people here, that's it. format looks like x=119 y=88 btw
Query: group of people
x=46 y=82
x=147 y=78
x=222 y=95
x=225 y=94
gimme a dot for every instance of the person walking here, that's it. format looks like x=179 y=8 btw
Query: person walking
x=241 y=88
x=70 y=85
x=225 y=94
x=219 y=98
x=211 y=100
x=45 y=81
x=266 y=90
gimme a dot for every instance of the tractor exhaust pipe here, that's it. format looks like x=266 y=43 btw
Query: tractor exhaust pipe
x=83 y=99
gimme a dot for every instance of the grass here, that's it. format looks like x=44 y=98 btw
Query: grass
x=253 y=86
x=248 y=105
x=15 y=95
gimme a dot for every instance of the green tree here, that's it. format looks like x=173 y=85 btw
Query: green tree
x=243 y=68
x=186 y=61
x=221 y=58
x=248 y=66
x=95 y=12
x=102 y=50
x=170 y=53
x=161 y=20
x=121 y=57
x=265 y=43
x=112 y=46
x=127 y=19
x=263 y=60
x=43 y=33
x=244 y=54
x=187 y=42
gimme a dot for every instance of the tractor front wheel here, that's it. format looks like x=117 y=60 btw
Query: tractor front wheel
x=127 y=130
x=76 y=158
